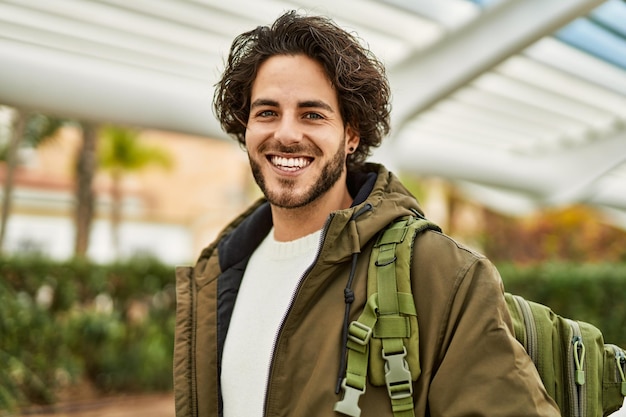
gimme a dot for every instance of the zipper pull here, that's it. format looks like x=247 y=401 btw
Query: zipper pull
x=579 y=360
x=620 y=358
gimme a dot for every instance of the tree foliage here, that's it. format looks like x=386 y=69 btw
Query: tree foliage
x=121 y=153
x=573 y=233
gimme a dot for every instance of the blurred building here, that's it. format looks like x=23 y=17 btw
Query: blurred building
x=170 y=214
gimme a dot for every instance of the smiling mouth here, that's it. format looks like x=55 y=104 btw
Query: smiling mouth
x=290 y=164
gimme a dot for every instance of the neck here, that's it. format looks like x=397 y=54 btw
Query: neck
x=294 y=223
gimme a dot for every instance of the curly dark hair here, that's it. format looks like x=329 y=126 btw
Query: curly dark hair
x=357 y=76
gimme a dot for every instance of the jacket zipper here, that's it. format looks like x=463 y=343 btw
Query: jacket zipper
x=575 y=371
x=193 y=385
x=293 y=298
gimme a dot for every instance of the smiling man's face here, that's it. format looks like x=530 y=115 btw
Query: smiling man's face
x=296 y=138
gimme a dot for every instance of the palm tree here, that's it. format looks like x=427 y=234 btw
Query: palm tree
x=121 y=153
x=85 y=169
x=29 y=129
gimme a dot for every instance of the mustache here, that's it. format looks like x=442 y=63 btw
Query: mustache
x=296 y=148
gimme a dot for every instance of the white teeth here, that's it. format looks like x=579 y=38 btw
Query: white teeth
x=289 y=162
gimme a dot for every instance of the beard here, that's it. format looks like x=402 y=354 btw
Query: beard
x=285 y=194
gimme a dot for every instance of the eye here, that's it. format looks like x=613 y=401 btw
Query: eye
x=313 y=116
x=267 y=113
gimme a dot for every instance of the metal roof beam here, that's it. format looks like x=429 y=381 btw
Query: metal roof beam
x=86 y=88
x=570 y=175
x=500 y=32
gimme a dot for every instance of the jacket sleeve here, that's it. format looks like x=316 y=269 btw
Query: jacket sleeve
x=483 y=370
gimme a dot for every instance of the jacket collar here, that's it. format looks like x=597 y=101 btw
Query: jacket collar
x=374 y=185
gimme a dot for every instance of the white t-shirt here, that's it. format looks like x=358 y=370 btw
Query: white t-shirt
x=268 y=286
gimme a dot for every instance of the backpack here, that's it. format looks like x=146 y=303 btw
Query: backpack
x=584 y=376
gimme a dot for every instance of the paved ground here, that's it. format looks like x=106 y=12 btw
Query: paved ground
x=152 y=405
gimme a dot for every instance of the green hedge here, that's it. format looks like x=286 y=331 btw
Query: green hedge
x=595 y=293
x=64 y=322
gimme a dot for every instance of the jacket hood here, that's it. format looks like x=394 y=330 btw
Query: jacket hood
x=379 y=198
x=385 y=199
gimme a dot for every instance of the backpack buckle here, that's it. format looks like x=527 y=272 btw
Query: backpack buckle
x=398 y=375
x=349 y=404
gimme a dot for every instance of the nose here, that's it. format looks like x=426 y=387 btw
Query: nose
x=288 y=130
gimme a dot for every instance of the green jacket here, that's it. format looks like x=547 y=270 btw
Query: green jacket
x=471 y=363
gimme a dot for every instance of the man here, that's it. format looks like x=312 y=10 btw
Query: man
x=260 y=317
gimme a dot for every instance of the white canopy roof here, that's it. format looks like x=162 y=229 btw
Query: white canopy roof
x=522 y=102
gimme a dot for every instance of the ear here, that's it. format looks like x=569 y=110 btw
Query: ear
x=352 y=140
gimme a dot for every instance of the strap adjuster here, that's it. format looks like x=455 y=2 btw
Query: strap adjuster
x=398 y=375
x=359 y=333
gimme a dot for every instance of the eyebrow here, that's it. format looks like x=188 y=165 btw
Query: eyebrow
x=263 y=102
x=303 y=104
x=315 y=104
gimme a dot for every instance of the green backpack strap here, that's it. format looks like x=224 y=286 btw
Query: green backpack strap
x=384 y=342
